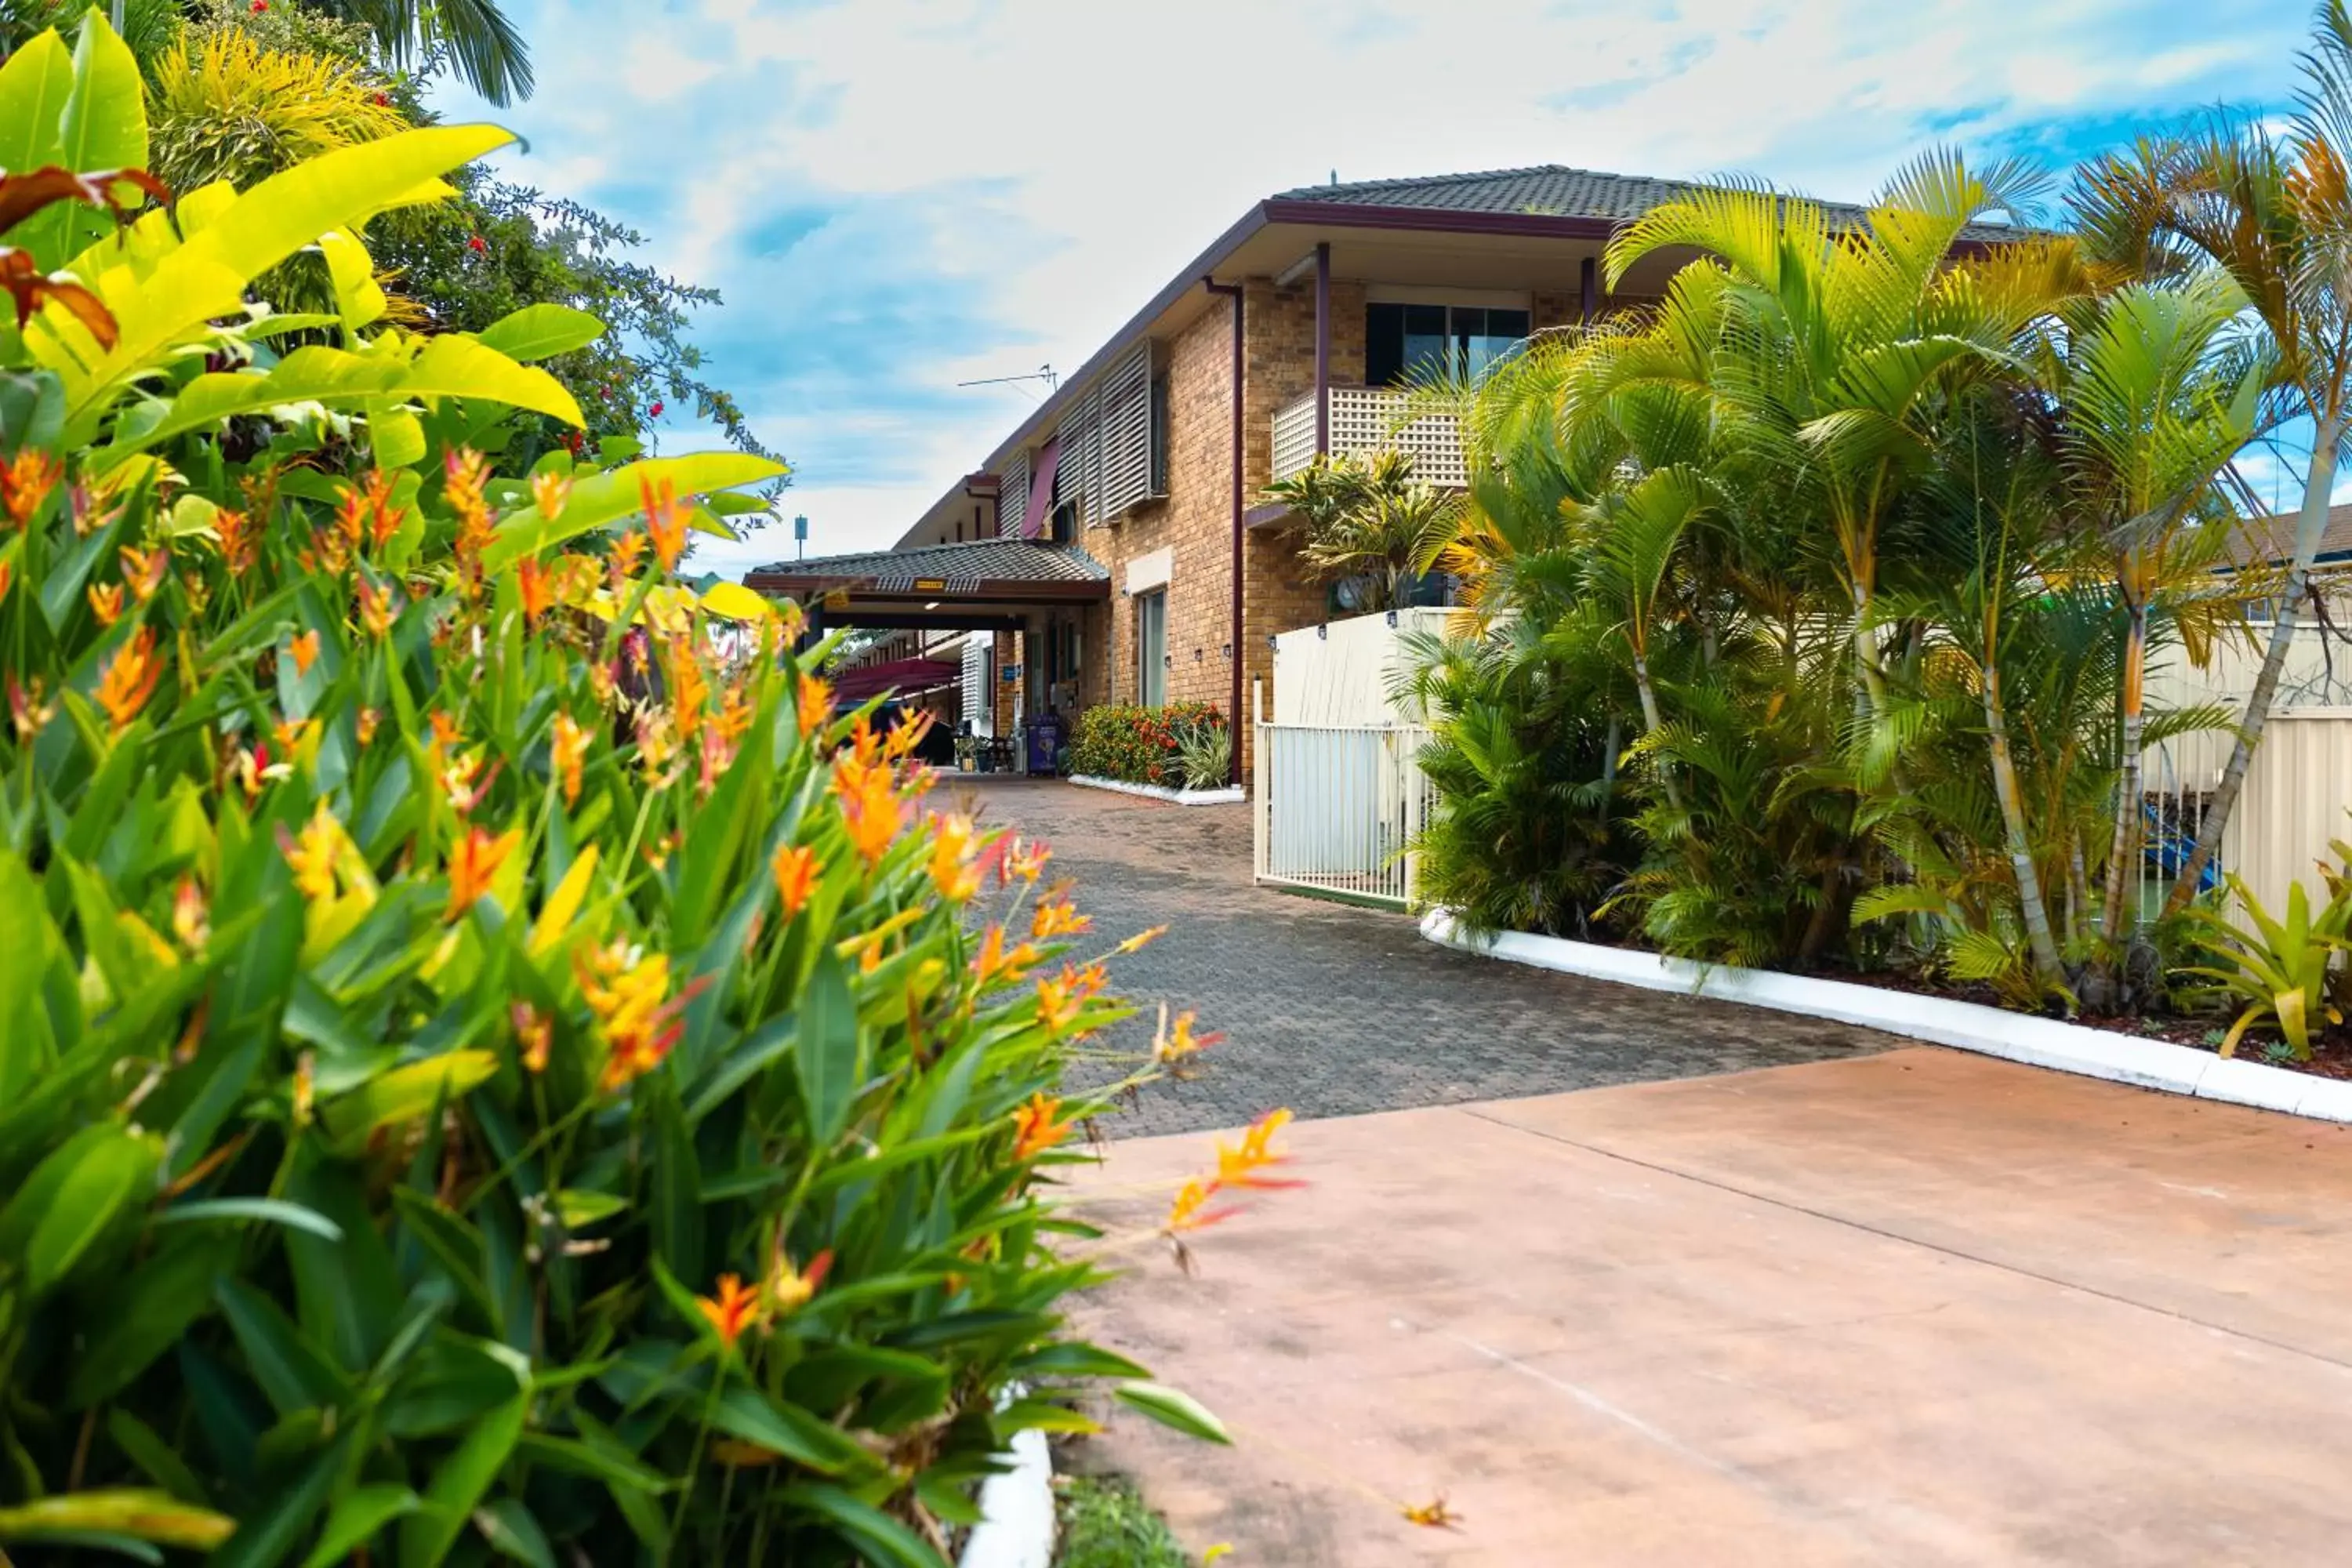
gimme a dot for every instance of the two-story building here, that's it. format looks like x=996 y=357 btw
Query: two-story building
x=1116 y=545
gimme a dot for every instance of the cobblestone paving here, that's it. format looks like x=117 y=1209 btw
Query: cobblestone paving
x=1334 y=1010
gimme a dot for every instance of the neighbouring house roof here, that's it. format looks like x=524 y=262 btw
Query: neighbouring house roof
x=2272 y=538
x=1549 y=190
x=980 y=565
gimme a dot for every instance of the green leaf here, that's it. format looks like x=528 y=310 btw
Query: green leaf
x=263 y=1540
x=72 y=1197
x=104 y=126
x=614 y=1468
x=1076 y=1358
x=602 y=498
x=427 y=1535
x=275 y=1211
x=828 y=1060
x=139 y=1514
x=455 y=365
x=355 y=1519
x=511 y=1531
x=292 y=1374
x=152 y=1308
x=144 y=1447
x=878 y=1536
x=1174 y=1409
x=34 y=86
x=676 y=1215
x=405 y=1094
x=787 y=1430
x=27 y=1047
x=542 y=331
x=358 y=299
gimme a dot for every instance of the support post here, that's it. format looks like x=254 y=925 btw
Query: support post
x=1322 y=348
x=1588 y=281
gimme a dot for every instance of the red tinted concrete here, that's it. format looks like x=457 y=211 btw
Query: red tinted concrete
x=1914 y=1309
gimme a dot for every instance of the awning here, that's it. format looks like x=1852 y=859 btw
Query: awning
x=902 y=675
x=1041 y=491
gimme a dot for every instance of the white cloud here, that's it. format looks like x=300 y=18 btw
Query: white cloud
x=1041 y=166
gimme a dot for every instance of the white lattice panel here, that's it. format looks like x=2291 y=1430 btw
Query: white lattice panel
x=1364 y=421
x=1294 y=437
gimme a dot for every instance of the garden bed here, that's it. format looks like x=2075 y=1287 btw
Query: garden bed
x=1230 y=794
x=2088 y=1049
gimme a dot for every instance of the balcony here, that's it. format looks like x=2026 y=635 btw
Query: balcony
x=1365 y=420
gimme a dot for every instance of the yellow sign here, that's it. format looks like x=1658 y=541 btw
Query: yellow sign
x=930 y=584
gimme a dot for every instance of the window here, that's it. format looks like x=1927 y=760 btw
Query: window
x=1151 y=648
x=1403 y=342
x=1159 y=434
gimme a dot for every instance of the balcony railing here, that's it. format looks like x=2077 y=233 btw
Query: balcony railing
x=1365 y=420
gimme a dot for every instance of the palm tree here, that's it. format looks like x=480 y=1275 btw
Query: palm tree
x=1370 y=519
x=478 y=40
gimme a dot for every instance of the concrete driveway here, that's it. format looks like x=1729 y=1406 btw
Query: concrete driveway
x=1909 y=1309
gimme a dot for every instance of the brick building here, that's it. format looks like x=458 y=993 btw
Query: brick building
x=1144 y=474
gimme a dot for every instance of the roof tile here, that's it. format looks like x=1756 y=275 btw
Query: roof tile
x=961 y=566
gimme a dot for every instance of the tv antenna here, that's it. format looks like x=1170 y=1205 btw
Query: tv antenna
x=1045 y=373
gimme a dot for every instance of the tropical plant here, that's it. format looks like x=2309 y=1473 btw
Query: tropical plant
x=1138 y=744
x=475 y=37
x=1204 y=754
x=1369 y=517
x=222 y=106
x=2280 y=969
x=489 y=1063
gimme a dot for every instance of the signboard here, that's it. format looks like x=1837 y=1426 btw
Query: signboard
x=1010 y=674
x=930 y=584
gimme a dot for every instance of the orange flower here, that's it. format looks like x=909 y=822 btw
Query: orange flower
x=290 y=733
x=795 y=868
x=1240 y=1167
x=128 y=679
x=813 y=702
x=27 y=482
x=789 y=1289
x=538 y=591
x=189 y=915
x=237 y=537
x=106 y=602
x=904 y=735
x=1190 y=1211
x=1057 y=916
x=459 y=783
x=1138 y=942
x=735 y=1308
x=627 y=551
x=533 y=1033
x=468 y=476
x=26 y=710
x=568 y=753
x=628 y=990
x=549 y=492
x=1034 y=1129
x=953 y=871
x=1433 y=1515
x=7 y=576
x=1061 y=998
x=994 y=963
x=1021 y=860
x=870 y=807
x=304 y=649
x=376 y=612
x=666 y=519
x=144 y=570
x=1174 y=1044
x=365 y=723
x=447 y=730
x=472 y=864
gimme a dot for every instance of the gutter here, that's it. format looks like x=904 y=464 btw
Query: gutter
x=1233 y=712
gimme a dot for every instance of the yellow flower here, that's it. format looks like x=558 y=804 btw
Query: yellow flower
x=953 y=871
x=129 y=680
x=534 y=1032
x=628 y=990
x=144 y=570
x=1057 y=916
x=311 y=853
x=189 y=915
x=664 y=519
x=789 y=1289
x=1034 y=1129
x=993 y=963
x=1177 y=1043
x=1022 y=861
x=473 y=863
x=106 y=602
x=568 y=753
x=27 y=482
x=549 y=492
x=376 y=612
x=627 y=551
x=1241 y=1167
x=1138 y=942
x=1190 y=1211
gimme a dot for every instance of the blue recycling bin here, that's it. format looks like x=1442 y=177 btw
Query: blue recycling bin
x=1044 y=737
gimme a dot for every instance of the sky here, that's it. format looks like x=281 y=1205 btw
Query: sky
x=894 y=196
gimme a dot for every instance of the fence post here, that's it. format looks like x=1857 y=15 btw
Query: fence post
x=1260 y=785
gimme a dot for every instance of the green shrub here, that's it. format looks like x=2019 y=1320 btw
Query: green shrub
x=1105 y=1523
x=1140 y=745
x=487 y=1063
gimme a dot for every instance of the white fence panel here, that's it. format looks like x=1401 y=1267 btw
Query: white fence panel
x=1336 y=805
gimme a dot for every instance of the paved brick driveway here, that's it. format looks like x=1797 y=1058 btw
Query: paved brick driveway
x=1334 y=1010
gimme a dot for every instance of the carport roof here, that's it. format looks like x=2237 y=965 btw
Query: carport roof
x=980 y=568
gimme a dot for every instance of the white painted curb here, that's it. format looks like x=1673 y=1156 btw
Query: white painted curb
x=2040 y=1042
x=1232 y=795
x=1016 y=1528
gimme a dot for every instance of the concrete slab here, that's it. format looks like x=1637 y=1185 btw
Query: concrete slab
x=1918 y=1308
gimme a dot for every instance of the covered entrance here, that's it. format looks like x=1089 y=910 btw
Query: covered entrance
x=1003 y=640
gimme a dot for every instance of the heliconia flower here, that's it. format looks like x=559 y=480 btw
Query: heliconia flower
x=25 y=482
x=733 y=1310
x=1057 y=917
x=953 y=870
x=306 y=1088
x=377 y=610
x=1034 y=1129
x=290 y=733
x=795 y=868
x=305 y=650
x=549 y=492
x=605 y=681
x=26 y=710
x=537 y=590
x=534 y=1032
x=106 y=602
x=447 y=730
x=871 y=807
x=790 y=1289
x=627 y=989
x=813 y=704
x=568 y=751
x=993 y=963
x=1177 y=1042
x=1018 y=860
x=463 y=782
x=144 y=570
x=1433 y=1515
x=7 y=576
x=1062 y=998
x=1138 y=942
x=473 y=862
x=1190 y=1210
x=237 y=537
x=191 y=920
x=627 y=552
x=364 y=722
x=128 y=679
x=1240 y=1167
x=311 y=853
x=664 y=520
x=905 y=734
x=381 y=100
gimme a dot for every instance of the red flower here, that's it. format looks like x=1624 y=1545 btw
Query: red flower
x=383 y=100
x=259 y=6
x=474 y=242
x=655 y=409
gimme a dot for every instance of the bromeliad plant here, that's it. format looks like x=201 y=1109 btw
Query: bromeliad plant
x=488 y=1062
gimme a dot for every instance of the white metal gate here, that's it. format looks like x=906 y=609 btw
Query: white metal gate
x=1336 y=805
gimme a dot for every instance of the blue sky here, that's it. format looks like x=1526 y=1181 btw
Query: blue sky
x=896 y=196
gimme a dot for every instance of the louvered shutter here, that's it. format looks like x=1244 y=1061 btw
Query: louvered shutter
x=1012 y=496
x=976 y=704
x=1078 y=481
x=1126 y=427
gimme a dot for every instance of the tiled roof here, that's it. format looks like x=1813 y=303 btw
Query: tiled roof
x=2272 y=538
x=1548 y=190
x=962 y=567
